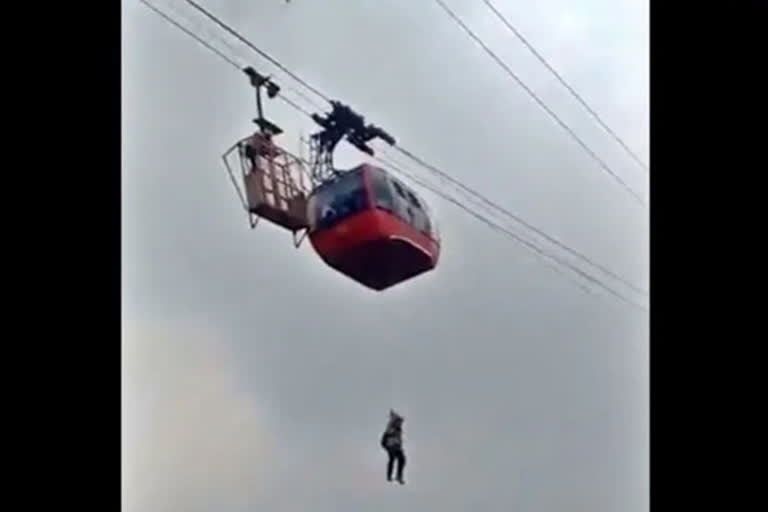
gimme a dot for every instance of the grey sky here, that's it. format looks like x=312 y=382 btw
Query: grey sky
x=256 y=378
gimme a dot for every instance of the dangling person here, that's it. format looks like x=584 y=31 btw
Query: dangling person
x=392 y=442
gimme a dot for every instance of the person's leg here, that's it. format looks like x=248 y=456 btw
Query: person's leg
x=400 y=465
x=390 y=464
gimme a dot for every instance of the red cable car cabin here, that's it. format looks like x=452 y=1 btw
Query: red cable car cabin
x=372 y=228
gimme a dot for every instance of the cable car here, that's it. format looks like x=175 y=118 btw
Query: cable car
x=371 y=227
x=362 y=222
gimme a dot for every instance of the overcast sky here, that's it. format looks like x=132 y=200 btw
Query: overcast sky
x=256 y=378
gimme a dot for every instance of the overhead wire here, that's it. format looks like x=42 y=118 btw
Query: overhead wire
x=565 y=84
x=526 y=243
x=294 y=105
x=297 y=107
x=389 y=165
x=542 y=104
x=241 y=39
x=246 y=42
x=430 y=167
x=191 y=34
x=520 y=220
x=168 y=18
x=483 y=219
x=433 y=168
x=275 y=62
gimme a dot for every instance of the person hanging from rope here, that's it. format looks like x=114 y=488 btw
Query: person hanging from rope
x=392 y=442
